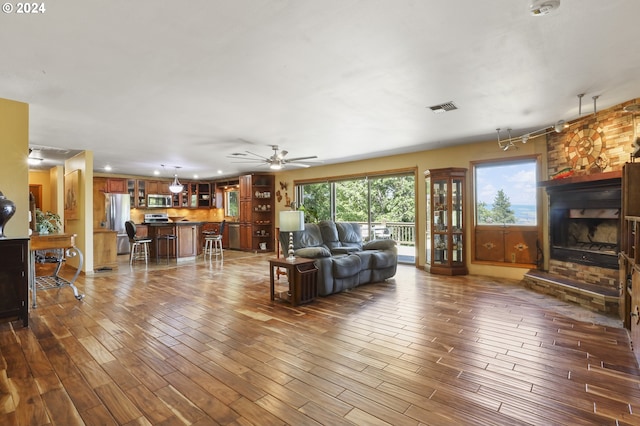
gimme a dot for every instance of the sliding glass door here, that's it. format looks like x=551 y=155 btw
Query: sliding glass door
x=384 y=205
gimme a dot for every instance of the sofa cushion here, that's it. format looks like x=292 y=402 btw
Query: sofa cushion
x=313 y=252
x=329 y=233
x=310 y=237
x=349 y=234
x=383 y=259
x=366 y=259
x=383 y=244
x=346 y=266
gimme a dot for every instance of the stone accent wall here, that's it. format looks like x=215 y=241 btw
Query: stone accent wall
x=594 y=143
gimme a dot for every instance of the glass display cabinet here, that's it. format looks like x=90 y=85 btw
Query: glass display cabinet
x=445 y=242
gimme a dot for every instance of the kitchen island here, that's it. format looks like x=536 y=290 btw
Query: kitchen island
x=187 y=246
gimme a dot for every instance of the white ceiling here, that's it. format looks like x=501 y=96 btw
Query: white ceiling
x=150 y=82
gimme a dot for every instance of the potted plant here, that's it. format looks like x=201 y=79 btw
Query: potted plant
x=48 y=222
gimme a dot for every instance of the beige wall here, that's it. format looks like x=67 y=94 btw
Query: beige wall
x=457 y=156
x=14 y=171
x=83 y=226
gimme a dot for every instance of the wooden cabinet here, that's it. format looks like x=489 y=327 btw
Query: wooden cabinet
x=188 y=240
x=104 y=250
x=116 y=186
x=445 y=241
x=14 y=279
x=137 y=189
x=256 y=212
x=263 y=213
x=629 y=254
x=188 y=198
x=204 y=195
x=159 y=187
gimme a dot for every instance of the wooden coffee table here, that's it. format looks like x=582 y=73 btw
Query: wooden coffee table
x=302 y=274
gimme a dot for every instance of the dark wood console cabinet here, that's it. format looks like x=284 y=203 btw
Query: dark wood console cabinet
x=14 y=279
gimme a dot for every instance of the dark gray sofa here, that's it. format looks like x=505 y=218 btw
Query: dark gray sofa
x=342 y=259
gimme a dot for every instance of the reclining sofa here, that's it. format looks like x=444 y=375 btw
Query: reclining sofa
x=342 y=259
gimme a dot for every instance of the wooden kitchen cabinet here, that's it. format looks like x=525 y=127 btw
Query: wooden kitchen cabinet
x=105 y=254
x=14 y=279
x=116 y=186
x=188 y=240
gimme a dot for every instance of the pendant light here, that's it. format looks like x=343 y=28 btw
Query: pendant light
x=176 y=187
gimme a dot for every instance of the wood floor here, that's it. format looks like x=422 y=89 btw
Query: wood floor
x=202 y=344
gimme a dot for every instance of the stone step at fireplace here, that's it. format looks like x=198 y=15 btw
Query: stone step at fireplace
x=594 y=297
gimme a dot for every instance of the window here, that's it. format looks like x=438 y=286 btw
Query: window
x=506 y=193
x=506 y=212
x=231 y=203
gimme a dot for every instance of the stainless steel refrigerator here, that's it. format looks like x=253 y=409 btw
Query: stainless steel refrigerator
x=118 y=208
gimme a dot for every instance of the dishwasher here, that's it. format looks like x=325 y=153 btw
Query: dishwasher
x=234 y=236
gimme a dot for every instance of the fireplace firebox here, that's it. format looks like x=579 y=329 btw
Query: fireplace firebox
x=584 y=223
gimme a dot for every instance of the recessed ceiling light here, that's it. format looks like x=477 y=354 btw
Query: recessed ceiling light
x=107 y=168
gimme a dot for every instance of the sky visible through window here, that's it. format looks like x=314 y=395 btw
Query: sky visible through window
x=516 y=180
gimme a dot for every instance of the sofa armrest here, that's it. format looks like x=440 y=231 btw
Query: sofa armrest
x=345 y=250
x=382 y=244
x=313 y=252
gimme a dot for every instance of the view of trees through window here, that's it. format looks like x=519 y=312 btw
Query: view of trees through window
x=506 y=193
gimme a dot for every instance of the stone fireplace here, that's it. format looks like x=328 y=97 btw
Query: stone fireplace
x=584 y=209
x=584 y=223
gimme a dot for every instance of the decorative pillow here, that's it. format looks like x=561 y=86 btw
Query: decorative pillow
x=313 y=252
x=383 y=244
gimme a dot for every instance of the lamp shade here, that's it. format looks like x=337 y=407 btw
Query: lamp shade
x=291 y=221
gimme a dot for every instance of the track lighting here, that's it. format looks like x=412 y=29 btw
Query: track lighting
x=508 y=143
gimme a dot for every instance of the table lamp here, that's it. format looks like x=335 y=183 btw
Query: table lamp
x=291 y=221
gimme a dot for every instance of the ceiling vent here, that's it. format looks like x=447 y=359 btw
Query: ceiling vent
x=447 y=106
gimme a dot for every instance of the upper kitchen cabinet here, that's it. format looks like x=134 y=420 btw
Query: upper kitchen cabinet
x=116 y=186
x=159 y=187
x=204 y=195
x=137 y=190
x=188 y=198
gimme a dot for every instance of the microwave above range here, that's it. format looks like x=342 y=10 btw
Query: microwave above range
x=159 y=201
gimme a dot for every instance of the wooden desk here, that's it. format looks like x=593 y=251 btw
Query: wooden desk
x=55 y=249
x=302 y=274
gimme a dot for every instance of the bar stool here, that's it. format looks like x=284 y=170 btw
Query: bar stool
x=139 y=245
x=166 y=238
x=213 y=243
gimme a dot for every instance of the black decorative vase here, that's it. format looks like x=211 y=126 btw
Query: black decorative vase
x=7 y=209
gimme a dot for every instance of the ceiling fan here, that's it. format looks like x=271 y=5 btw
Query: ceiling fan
x=276 y=161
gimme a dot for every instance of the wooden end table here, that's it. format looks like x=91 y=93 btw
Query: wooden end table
x=302 y=274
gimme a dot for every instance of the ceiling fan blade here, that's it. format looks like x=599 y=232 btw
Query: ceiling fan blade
x=288 y=163
x=289 y=160
x=259 y=156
